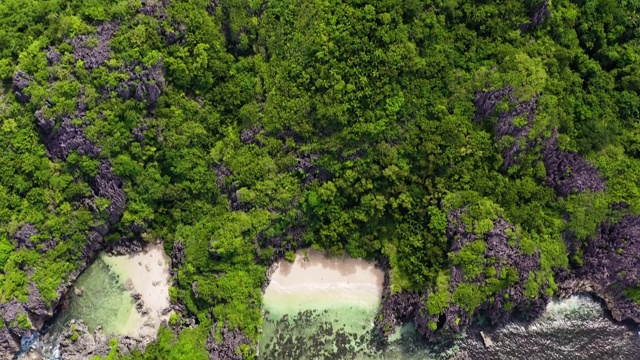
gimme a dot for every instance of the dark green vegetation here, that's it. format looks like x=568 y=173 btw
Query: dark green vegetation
x=242 y=129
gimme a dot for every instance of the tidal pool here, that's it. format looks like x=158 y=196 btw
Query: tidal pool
x=103 y=297
x=104 y=301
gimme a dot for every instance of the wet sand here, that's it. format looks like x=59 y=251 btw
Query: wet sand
x=315 y=281
x=313 y=300
x=146 y=273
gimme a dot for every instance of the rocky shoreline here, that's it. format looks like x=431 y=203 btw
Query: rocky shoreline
x=617 y=306
x=77 y=342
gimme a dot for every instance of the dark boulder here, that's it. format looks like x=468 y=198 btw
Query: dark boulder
x=539 y=14
x=567 y=172
x=20 y=82
x=92 y=50
x=126 y=247
x=227 y=348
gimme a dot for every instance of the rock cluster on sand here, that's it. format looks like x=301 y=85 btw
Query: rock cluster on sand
x=145 y=276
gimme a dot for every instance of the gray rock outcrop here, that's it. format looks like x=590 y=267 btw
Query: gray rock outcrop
x=227 y=348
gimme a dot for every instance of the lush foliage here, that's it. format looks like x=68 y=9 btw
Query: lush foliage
x=343 y=125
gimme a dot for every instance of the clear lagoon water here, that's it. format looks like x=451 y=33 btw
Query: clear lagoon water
x=328 y=325
x=335 y=327
x=574 y=328
x=104 y=302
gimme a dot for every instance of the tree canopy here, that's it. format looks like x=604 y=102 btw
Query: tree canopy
x=421 y=134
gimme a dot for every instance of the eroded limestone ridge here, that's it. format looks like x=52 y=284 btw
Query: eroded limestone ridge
x=568 y=172
x=226 y=348
x=610 y=269
x=501 y=249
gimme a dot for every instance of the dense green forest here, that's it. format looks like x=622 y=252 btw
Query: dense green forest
x=415 y=133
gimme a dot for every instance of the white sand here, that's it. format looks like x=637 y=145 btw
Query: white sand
x=319 y=282
x=146 y=273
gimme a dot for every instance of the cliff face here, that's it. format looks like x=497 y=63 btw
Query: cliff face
x=610 y=259
x=510 y=264
x=104 y=185
x=611 y=268
x=62 y=134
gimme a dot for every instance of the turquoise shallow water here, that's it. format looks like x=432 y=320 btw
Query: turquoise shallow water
x=104 y=300
x=339 y=332
x=332 y=324
x=575 y=328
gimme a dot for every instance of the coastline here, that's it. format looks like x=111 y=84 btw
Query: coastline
x=141 y=288
x=321 y=298
x=314 y=278
x=146 y=277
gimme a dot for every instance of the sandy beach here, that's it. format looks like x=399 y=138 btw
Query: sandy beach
x=315 y=281
x=145 y=273
x=308 y=302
